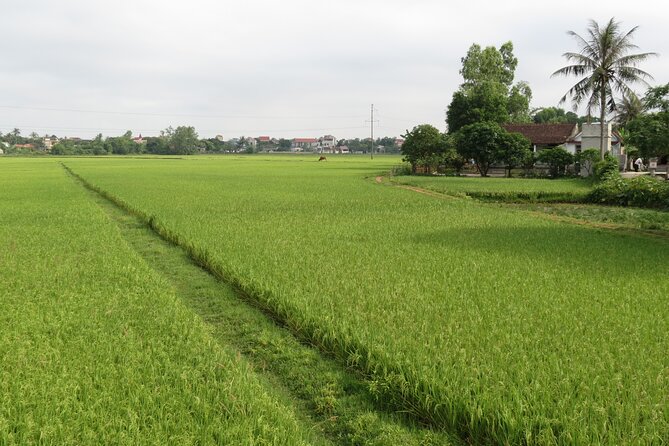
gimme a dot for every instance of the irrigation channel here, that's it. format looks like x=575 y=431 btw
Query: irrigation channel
x=332 y=398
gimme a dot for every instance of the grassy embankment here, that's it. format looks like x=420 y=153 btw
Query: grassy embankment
x=486 y=322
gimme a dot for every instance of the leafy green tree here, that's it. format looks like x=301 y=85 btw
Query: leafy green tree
x=489 y=65
x=513 y=151
x=421 y=143
x=122 y=145
x=557 y=159
x=184 y=141
x=518 y=103
x=629 y=107
x=64 y=147
x=657 y=98
x=158 y=145
x=284 y=145
x=482 y=142
x=488 y=93
x=604 y=66
x=486 y=101
x=554 y=115
x=649 y=132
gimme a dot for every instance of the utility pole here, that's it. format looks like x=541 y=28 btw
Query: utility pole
x=371 y=126
x=371 y=123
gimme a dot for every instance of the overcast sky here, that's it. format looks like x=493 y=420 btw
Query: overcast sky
x=289 y=68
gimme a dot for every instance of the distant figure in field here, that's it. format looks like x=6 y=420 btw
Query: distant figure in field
x=322 y=158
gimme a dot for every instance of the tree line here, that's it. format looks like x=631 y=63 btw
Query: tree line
x=488 y=98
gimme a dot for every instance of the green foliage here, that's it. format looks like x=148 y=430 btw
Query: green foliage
x=649 y=133
x=554 y=115
x=607 y=168
x=640 y=191
x=514 y=150
x=489 y=65
x=508 y=190
x=423 y=146
x=184 y=141
x=518 y=103
x=487 y=143
x=487 y=93
x=557 y=159
x=485 y=101
x=588 y=158
x=603 y=66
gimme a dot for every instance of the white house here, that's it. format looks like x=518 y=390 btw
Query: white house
x=302 y=144
x=590 y=136
x=327 y=144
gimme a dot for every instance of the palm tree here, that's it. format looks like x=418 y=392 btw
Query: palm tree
x=606 y=66
x=630 y=107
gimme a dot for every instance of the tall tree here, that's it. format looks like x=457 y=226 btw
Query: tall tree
x=629 y=107
x=649 y=132
x=604 y=66
x=488 y=93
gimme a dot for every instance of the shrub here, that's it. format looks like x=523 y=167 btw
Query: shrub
x=557 y=159
x=607 y=167
x=640 y=192
x=588 y=159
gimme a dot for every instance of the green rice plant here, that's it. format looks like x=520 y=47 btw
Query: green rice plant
x=511 y=190
x=489 y=323
x=95 y=348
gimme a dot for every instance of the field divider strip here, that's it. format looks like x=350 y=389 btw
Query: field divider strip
x=350 y=359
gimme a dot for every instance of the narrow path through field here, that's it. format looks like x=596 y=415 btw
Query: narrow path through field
x=331 y=398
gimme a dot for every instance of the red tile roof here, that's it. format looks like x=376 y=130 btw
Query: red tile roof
x=552 y=134
x=312 y=140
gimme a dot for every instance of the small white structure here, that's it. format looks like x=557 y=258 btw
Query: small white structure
x=590 y=136
x=302 y=144
x=327 y=144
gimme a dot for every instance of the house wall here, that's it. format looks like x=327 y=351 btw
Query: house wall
x=590 y=137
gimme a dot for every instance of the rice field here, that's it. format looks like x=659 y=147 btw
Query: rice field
x=94 y=346
x=483 y=321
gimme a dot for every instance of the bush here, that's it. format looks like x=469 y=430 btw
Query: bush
x=607 y=167
x=557 y=159
x=644 y=192
x=402 y=169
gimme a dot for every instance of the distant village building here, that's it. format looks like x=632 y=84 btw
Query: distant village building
x=264 y=139
x=327 y=144
x=24 y=146
x=399 y=142
x=220 y=138
x=139 y=139
x=49 y=142
x=302 y=144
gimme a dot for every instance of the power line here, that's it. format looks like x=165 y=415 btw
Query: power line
x=184 y=115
